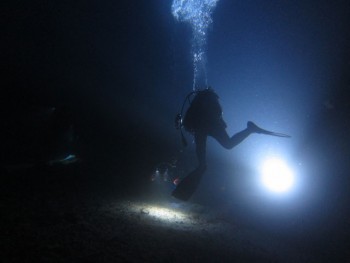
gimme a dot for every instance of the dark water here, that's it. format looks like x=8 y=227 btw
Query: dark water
x=104 y=81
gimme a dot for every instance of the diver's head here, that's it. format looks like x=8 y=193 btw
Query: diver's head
x=210 y=91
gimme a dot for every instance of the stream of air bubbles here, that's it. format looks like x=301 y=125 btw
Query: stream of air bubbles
x=198 y=14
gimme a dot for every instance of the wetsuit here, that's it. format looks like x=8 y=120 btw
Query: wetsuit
x=203 y=119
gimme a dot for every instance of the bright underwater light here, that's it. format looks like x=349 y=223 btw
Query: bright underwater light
x=277 y=176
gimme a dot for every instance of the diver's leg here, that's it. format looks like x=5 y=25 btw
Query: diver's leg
x=201 y=149
x=189 y=184
x=228 y=142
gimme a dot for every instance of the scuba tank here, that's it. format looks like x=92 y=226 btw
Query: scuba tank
x=203 y=103
x=179 y=117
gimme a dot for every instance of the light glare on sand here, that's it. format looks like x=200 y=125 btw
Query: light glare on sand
x=167 y=215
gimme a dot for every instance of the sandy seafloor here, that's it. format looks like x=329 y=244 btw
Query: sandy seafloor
x=66 y=214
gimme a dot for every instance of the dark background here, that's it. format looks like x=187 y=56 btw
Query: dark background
x=118 y=71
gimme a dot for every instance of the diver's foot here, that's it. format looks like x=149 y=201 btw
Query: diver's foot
x=253 y=127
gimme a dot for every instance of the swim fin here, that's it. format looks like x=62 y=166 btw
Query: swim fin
x=275 y=134
x=186 y=188
x=251 y=125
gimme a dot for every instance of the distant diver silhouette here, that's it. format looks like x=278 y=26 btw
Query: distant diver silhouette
x=204 y=118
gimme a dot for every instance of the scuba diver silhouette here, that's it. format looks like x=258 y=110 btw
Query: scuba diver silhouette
x=204 y=118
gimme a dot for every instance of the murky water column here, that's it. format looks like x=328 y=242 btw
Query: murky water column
x=198 y=14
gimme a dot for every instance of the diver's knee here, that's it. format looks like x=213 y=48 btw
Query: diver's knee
x=226 y=143
x=228 y=146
